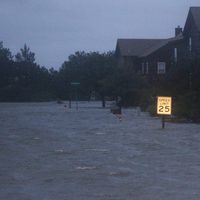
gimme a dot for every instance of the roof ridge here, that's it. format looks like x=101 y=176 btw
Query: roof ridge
x=142 y=38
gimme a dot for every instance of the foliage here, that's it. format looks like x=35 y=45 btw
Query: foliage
x=22 y=79
x=91 y=70
x=99 y=73
x=25 y=55
x=182 y=83
x=5 y=54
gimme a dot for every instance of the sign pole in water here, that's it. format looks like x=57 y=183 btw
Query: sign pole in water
x=163 y=122
x=75 y=84
x=164 y=107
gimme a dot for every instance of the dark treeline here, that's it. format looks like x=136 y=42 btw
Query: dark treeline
x=22 y=79
x=96 y=75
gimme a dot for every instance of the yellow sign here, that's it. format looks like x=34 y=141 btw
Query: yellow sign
x=164 y=105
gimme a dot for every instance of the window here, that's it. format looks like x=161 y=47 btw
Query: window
x=161 y=67
x=175 y=55
x=190 y=44
x=147 y=67
x=142 y=68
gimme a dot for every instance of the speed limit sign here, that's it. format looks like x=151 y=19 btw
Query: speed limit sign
x=164 y=105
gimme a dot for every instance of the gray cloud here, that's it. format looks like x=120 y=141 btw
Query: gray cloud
x=54 y=29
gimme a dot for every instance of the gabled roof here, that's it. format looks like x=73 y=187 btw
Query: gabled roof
x=194 y=12
x=142 y=47
x=145 y=47
x=137 y=47
x=196 y=15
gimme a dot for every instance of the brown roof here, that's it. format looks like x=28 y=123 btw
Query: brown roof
x=142 y=47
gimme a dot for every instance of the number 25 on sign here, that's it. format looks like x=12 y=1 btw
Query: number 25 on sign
x=164 y=105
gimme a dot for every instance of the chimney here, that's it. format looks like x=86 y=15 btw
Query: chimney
x=178 y=31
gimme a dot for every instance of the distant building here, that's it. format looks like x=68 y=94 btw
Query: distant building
x=156 y=56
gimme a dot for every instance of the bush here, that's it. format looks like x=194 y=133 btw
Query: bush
x=187 y=106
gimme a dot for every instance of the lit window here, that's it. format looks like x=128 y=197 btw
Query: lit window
x=161 y=67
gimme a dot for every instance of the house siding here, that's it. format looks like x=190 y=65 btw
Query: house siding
x=191 y=31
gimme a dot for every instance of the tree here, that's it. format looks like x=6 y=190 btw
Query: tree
x=6 y=67
x=5 y=54
x=90 y=69
x=25 y=55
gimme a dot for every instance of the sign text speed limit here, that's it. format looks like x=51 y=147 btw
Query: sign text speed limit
x=164 y=105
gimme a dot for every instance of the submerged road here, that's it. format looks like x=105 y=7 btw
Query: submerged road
x=49 y=152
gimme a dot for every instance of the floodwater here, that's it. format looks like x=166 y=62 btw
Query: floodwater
x=49 y=152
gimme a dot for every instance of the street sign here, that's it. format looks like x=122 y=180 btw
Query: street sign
x=164 y=105
x=75 y=83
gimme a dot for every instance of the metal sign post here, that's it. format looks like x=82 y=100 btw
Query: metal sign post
x=164 y=107
x=163 y=121
x=76 y=84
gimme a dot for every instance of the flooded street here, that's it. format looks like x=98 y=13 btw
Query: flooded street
x=49 y=152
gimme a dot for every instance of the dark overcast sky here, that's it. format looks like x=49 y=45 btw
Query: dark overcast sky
x=54 y=29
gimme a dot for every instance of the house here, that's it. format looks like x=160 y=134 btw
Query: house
x=156 y=56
